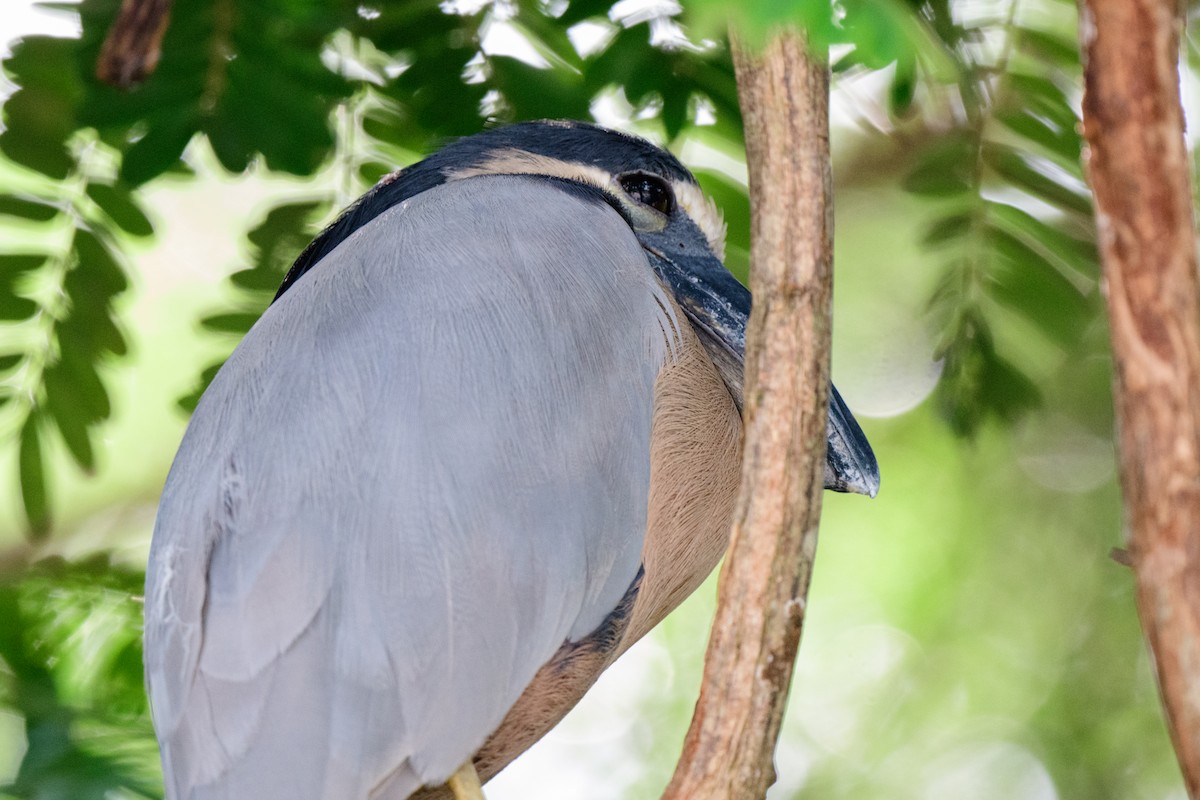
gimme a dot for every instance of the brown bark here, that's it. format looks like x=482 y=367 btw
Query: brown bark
x=730 y=746
x=1138 y=168
x=133 y=45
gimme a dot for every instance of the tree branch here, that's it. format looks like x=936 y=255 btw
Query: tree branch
x=1138 y=168
x=730 y=746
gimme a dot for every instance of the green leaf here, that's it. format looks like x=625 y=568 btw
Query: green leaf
x=33 y=478
x=1070 y=254
x=407 y=25
x=157 y=151
x=25 y=208
x=1010 y=393
x=228 y=144
x=236 y=322
x=579 y=10
x=121 y=208
x=627 y=56
x=903 y=89
x=1035 y=87
x=46 y=157
x=189 y=401
x=547 y=37
x=945 y=169
x=256 y=280
x=372 y=171
x=1016 y=168
x=103 y=332
x=15 y=265
x=62 y=400
x=386 y=125
x=945 y=303
x=977 y=382
x=14 y=307
x=71 y=646
x=675 y=111
x=281 y=236
x=1057 y=49
x=90 y=329
x=7 y=362
x=78 y=384
x=265 y=109
x=881 y=31
x=938 y=180
x=40 y=61
x=538 y=93
x=39 y=120
x=947 y=229
x=1042 y=95
x=1026 y=282
x=97 y=273
x=1065 y=143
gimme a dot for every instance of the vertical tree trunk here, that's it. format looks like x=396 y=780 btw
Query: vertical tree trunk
x=1138 y=168
x=730 y=745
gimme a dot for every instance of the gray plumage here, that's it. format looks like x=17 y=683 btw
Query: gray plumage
x=420 y=461
x=486 y=437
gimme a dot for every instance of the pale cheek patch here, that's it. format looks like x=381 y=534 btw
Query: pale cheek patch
x=704 y=211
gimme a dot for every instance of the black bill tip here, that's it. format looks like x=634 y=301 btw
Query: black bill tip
x=850 y=464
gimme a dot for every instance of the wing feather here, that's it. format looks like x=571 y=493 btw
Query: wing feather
x=424 y=469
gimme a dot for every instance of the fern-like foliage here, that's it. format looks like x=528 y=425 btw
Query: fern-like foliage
x=86 y=720
x=56 y=301
x=1015 y=235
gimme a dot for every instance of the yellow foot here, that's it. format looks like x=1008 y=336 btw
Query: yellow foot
x=465 y=783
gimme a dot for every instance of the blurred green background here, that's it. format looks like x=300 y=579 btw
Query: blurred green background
x=968 y=633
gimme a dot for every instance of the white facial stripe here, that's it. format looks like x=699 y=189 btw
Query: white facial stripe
x=705 y=213
x=520 y=162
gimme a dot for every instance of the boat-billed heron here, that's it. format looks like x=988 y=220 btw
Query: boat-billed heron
x=485 y=438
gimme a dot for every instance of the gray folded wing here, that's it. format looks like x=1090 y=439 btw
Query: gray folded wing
x=423 y=470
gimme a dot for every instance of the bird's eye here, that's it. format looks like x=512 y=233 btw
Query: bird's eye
x=649 y=190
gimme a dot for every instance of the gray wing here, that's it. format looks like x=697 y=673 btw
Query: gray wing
x=423 y=470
